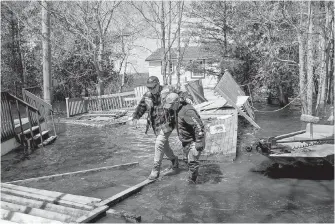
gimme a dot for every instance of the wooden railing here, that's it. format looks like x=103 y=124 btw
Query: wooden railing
x=36 y=90
x=75 y=106
x=45 y=109
x=7 y=118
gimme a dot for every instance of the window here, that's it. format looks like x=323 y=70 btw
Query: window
x=171 y=67
x=198 y=69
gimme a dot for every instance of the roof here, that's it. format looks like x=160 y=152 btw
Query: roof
x=188 y=53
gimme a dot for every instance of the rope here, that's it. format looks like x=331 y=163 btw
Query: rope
x=267 y=111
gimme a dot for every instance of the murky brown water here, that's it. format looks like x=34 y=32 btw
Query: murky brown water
x=247 y=190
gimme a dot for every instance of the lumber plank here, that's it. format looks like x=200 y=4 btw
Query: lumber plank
x=92 y=214
x=43 y=205
x=23 y=218
x=124 y=214
x=69 y=197
x=59 y=176
x=47 y=199
x=124 y=194
x=7 y=222
x=289 y=135
x=36 y=212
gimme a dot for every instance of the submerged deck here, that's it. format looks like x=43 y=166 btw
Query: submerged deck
x=301 y=151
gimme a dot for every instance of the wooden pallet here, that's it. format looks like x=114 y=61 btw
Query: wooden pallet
x=30 y=205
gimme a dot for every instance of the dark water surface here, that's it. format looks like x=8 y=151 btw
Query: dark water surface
x=248 y=190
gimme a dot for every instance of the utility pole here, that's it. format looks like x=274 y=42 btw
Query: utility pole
x=46 y=47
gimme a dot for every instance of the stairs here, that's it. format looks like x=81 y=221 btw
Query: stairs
x=16 y=132
x=34 y=140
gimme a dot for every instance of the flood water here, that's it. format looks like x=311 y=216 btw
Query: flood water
x=247 y=190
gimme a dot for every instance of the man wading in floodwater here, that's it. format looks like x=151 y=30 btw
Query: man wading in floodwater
x=190 y=131
x=161 y=121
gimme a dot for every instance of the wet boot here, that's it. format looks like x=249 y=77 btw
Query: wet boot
x=193 y=172
x=175 y=163
x=155 y=172
x=174 y=167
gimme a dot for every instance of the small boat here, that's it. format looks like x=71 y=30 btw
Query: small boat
x=313 y=146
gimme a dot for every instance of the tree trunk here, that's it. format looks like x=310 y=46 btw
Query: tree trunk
x=283 y=98
x=330 y=92
x=310 y=60
x=323 y=69
x=22 y=57
x=169 y=46
x=163 y=71
x=101 y=88
x=16 y=62
x=46 y=51
x=302 y=75
x=178 y=45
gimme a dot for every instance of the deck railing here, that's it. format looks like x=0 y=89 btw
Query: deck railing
x=45 y=109
x=7 y=118
x=76 y=106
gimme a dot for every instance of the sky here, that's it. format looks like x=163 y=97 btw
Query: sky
x=138 y=55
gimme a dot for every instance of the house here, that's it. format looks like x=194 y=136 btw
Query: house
x=196 y=64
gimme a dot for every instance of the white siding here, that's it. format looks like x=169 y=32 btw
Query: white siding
x=155 y=69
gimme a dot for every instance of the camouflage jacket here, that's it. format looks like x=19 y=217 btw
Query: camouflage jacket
x=189 y=125
x=158 y=117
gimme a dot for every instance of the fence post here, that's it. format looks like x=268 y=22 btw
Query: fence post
x=85 y=105
x=67 y=107
x=120 y=99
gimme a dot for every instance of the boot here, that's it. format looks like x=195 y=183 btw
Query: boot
x=154 y=172
x=173 y=168
x=175 y=163
x=193 y=172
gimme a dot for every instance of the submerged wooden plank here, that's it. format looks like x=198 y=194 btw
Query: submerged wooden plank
x=53 y=200
x=123 y=214
x=42 y=205
x=36 y=212
x=59 y=195
x=76 y=172
x=24 y=218
x=92 y=214
x=124 y=194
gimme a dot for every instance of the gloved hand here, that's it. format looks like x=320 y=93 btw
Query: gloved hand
x=199 y=146
x=189 y=101
x=132 y=121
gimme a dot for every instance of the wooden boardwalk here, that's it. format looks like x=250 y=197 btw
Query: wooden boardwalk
x=29 y=205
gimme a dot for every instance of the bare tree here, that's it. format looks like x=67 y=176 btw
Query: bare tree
x=161 y=20
x=46 y=51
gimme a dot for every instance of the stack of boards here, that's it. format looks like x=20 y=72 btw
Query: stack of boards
x=21 y=204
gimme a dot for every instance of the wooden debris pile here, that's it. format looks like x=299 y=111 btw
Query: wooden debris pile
x=20 y=204
x=220 y=115
x=29 y=205
x=100 y=118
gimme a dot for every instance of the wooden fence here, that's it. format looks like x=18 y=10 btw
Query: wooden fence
x=76 y=106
